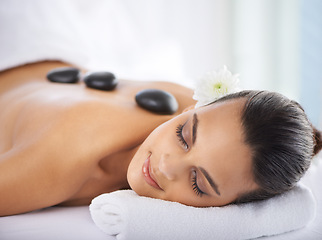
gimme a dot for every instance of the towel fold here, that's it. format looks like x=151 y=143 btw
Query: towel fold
x=126 y=215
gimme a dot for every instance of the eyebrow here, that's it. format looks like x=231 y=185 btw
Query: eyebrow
x=210 y=180
x=194 y=128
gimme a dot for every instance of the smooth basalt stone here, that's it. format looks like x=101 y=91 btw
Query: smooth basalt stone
x=157 y=101
x=64 y=75
x=101 y=80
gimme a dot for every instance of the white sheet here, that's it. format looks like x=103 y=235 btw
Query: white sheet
x=51 y=224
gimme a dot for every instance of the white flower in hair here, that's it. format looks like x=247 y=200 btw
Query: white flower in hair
x=214 y=85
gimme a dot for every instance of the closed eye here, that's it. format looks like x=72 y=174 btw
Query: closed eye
x=195 y=186
x=181 y=138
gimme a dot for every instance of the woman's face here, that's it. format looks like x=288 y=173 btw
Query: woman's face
x=198 y=158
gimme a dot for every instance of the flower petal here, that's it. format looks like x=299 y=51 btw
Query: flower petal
x=214 y=85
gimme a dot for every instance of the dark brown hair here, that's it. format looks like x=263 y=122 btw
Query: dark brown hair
x=281 y=138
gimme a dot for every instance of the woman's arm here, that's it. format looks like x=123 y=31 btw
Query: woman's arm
x=41 y=174
x=28 y=183
x=48 y=163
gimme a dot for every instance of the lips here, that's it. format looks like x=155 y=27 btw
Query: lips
x=148 y=176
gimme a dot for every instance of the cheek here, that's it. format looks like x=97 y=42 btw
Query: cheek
x=134 y=172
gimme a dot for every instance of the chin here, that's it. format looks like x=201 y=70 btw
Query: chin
x=135 y=178
x=136 y=186
x=131 y=175
x=134 y=174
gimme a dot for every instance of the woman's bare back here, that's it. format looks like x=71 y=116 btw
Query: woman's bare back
x=66 y=143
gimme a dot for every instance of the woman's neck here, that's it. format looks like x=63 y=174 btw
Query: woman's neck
x=117 y=165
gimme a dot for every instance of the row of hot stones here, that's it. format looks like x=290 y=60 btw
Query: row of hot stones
x=154 y=100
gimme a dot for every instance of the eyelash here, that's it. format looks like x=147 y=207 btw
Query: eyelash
x=180 y=137
x=195 y=187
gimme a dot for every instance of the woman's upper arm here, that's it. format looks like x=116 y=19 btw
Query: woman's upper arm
x=41 y=173
x=28 y=181
x=51 y=160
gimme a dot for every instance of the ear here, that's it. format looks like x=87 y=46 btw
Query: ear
x=188 y=108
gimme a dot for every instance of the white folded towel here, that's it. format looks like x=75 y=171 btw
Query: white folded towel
x=126 y=215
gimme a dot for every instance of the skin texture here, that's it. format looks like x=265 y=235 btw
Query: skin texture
x=66 y=144
x=176 y=165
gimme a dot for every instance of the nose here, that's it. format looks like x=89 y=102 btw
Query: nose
x=170 y=167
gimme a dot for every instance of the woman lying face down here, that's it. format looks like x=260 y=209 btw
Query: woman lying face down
x=66 y=144
x=244 y=147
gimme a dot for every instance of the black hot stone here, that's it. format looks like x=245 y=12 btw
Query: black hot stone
x=64 y=75
x=157 y=101
x=101 y=80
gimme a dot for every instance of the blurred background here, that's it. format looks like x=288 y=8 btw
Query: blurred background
x=273 y=44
